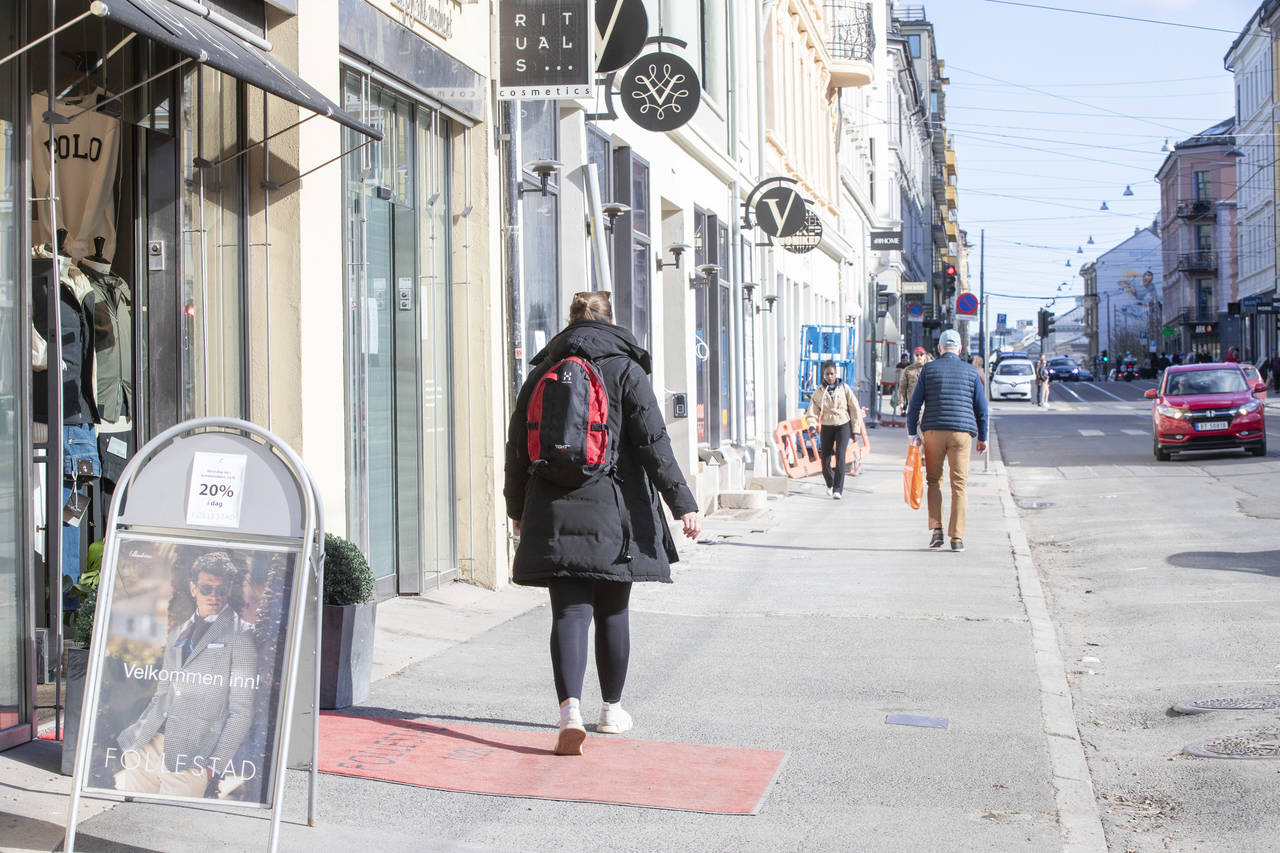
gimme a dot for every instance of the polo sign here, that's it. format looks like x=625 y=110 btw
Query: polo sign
x=621 y=29
x=545 y=49
x=781 y=212
x=660 y=91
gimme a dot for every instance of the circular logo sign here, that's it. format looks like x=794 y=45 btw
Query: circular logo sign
x=622 y=26
x=781 y=212
x=966 y=303
x=807 y=238
x=660 y=91
x=915 y=310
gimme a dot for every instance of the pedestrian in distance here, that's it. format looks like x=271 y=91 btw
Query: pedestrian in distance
x=911 y=373
x=1232 y=357
x=582 y=480
x=1042 y=382
x=1274 y=364
x=950 y=392
x=834 y=409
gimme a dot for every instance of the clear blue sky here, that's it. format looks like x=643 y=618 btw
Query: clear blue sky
x=1034 y=166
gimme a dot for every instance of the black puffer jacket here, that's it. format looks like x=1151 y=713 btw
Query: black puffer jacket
x=611 y=529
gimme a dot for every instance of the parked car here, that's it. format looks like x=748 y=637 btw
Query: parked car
x=1063 y=369
x=1013 y=379
x=1207 y=407
x=1255 y=378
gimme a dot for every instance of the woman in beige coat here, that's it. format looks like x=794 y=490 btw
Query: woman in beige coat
x=834 y=408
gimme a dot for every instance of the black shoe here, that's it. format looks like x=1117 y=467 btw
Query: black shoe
x=957 y=544
x=936 y=540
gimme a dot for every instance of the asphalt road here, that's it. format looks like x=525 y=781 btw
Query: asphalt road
x=1164 y=581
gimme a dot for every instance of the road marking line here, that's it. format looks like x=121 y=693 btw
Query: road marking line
x=1091 y=433
x=1063 y=387
x=1108 y=393
x=1142 y=432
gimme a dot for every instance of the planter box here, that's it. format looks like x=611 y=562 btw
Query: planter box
x=346 y=654
x=73 y=685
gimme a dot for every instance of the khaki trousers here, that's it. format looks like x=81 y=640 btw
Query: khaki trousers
x=145 y=773
x=953 y=447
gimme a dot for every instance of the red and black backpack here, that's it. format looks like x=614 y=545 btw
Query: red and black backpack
x=568 y=425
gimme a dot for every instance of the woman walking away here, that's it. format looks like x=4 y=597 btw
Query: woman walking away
x=587 y=457
x=835 y=409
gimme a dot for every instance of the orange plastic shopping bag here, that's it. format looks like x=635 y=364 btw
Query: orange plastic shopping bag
x=913 y=478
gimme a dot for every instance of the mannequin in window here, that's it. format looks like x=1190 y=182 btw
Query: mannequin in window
x=88 y=160
x=80 y=465
x=113 y=359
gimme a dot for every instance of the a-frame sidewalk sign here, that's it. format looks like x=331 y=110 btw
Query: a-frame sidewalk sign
x=209 y=586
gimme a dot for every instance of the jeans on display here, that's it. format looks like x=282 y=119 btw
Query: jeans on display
x=79 y=443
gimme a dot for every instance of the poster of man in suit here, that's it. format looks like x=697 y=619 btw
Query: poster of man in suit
x=195 y=646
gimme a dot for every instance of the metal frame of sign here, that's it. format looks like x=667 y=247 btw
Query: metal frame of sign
x=172 y=450
x=748 y=205
x=606 y=80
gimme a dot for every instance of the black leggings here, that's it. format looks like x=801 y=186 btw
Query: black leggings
x=835 y=442
x=574 y=602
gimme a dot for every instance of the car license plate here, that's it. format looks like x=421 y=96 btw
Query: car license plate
x=1212 y=425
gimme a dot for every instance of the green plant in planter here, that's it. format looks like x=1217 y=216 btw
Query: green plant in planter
x=87 y=589
x=347 y=576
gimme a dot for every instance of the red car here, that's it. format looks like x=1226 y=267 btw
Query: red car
x=1207 y=407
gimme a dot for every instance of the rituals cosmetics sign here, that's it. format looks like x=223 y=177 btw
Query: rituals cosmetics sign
x=545 y=49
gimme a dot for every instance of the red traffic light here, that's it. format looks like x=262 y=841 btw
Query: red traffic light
x=951 y=270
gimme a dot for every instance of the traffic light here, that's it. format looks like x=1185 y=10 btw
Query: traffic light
x=882 y=300
x=1044 y=322
x=949 y=282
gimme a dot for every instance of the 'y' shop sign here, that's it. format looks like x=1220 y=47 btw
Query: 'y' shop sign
x=545 y=49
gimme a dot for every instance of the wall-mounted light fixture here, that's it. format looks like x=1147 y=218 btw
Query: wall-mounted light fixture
x=676 y=250
x=611 y=212
x=544 y=169
x=770 y=301
x=706 y=275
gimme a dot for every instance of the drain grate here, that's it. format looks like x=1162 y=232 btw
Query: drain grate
x=1034 y=504
x=1249 y=745
x=1249 y=703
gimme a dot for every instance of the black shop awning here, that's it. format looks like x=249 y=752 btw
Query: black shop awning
x=192 y=35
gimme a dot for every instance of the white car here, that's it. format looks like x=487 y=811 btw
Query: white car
x=1014 y=379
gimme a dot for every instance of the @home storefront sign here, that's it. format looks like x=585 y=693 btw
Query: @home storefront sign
x=545 y=49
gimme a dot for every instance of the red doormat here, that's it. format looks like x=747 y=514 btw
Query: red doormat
x=511 y=763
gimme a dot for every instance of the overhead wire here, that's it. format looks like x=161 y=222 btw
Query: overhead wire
x=1112 y=15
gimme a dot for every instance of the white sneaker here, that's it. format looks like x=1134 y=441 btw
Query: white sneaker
x=613 y=720
x=837 y=496
x=830 y=491
x=572 y=731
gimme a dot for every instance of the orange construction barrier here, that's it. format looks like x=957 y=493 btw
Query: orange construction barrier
x=797 y=446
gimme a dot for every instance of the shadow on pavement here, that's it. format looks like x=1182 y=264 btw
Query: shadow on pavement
x=1257 y=562
x=427 y=718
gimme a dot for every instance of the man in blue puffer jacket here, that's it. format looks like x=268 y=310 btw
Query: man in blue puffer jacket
x=955 y=413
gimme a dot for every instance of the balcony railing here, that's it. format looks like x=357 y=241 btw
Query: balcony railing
x=1197 y=262
x=852 y=35
x=1195 y=208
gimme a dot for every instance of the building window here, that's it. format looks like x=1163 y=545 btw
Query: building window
x=1204 y=299
x=540 y=230
x=1203 y=186
x=913 y=42
x=713 y=33
x=1204 y=238
x=701 y=329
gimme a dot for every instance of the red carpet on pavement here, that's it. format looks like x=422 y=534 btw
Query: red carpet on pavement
x=511 y=763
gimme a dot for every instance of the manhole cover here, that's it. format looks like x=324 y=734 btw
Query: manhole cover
x=1251 y=745
x=1034 y=504
x=1203 y=706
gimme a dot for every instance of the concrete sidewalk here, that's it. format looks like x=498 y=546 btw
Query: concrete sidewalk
x=801 y=628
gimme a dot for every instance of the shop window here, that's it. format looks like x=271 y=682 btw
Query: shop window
x=701 y=330
x=213 y=335
x=540 y=230
x=724 y=328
